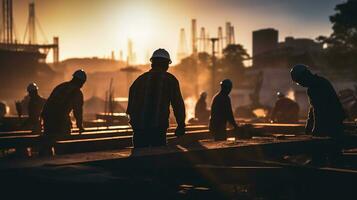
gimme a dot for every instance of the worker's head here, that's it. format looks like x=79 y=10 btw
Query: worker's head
x=32 y=89
x=160 y=60
x=226 y=86
x=203 y=95
x=79 y=78
x=301 y=75
x=280 y=95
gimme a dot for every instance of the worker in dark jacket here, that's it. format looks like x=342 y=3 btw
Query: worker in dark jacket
x=34 y=108
x=64 y=99
x=285 y=110
x=150 y=97
x=221 y=112
x=326 y=114
x=201 y=111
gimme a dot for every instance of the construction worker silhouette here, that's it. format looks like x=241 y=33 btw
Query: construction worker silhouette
x=150 y=97
x=285 y=110
x=56 y=113
x=201 y=111
x=34 y=108
x=326 y=114
x=221 y=112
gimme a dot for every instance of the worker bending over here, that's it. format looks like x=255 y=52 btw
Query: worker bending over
x=326 y=114
x=64 y=99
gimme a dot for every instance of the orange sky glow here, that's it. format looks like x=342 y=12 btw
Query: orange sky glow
x=96 y=27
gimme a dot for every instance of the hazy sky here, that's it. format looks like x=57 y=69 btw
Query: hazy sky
x=89 y=28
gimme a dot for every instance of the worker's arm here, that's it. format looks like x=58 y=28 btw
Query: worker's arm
x=78 y=111
x=230 y=116
x=178 y=106
x=310 y=121
x=130 y=99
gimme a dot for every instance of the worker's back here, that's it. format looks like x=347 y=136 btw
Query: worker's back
x=61 y=101
x=221 y=112
x=327 y=109
x=150 y=97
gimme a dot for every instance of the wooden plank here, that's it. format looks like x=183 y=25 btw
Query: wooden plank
x=201 y=152
x=33 y=140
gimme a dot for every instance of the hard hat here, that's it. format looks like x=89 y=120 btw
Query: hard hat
x=226 y=83
x=298 y=71
x=32 y=87
x=80 y=74
x=280 y=94
x=161 y=53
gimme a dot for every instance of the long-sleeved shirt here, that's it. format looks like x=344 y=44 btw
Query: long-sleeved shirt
x=221 y=113
x=63 y=99
x=150 y=97
x=326 y=114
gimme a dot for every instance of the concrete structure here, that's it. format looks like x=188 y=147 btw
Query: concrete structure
x=301 y=44
x=264 y=40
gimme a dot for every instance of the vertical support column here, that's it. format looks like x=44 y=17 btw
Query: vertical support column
x=11 y=28
x=182 y=49
x=194 y=36
x=56 y=50
x=3 y=28
x=202 y=42
x=7 y=22
x=233 y=39
x=220 y=42
x=228 y=33
x=32 y=24
x=213 y=86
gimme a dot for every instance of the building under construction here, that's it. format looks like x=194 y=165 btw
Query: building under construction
x=22 y=62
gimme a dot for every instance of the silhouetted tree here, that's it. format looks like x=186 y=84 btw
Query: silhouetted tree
x=234 y=55
x=342 y=43
x=231 y=65
x=204 y=58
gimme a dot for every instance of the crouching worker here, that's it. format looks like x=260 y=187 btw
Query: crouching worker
x=56 y=113
x=150 y=97
x=221 y=112
x=326 y=114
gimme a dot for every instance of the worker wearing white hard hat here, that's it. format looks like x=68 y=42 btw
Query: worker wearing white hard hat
x=161 y=53
x=150 y=97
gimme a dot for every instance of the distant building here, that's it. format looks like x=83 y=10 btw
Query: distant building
x=301 y=45
x=264 y=40
x=269 y=53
